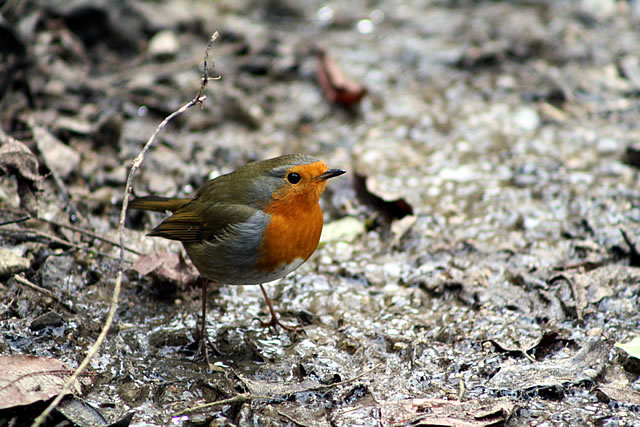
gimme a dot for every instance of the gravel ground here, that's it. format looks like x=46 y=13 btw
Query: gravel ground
x=479 y=260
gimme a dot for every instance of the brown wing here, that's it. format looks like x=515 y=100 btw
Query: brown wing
x=195 y=220
x=191 y=224
x=157 y=203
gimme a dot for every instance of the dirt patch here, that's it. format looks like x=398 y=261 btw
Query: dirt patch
x=490 y=262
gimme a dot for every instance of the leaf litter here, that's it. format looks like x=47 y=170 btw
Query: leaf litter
x=502 y=135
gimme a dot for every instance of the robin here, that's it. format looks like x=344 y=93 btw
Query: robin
x=250 y=226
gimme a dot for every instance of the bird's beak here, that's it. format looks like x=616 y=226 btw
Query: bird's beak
x=329 y=173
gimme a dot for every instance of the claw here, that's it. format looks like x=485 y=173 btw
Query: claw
x=275 y=322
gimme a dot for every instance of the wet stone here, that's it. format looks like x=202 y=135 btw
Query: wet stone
x=10 y=263
x=58 y=156
x=608 y=145
x=169 y=338
x=51 y=318
x=164 y=44
x=56 y=271
x=526 y=119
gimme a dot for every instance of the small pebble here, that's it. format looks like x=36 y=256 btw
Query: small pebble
x=608 y=145
x=526 y=118
x=48 y=319
x=10 y=263
x=164 y=44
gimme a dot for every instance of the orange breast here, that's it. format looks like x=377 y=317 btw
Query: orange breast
x=294 y=232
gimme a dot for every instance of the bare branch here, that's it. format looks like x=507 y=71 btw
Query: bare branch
x=198 y=99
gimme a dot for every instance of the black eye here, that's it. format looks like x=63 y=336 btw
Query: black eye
x=293 y=178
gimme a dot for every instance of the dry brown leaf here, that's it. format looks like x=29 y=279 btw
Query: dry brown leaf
x=525 y=345
x=623 y=394
x=429 y=412
x=59 y=157
x=589 y=288
x=166 y=267
x=337 y=87
x=26 y=379
x=391 y=210
x=16 y=159
x=585 y=365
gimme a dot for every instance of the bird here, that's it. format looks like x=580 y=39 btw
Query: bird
x=248 y=227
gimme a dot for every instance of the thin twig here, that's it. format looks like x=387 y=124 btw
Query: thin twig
x=88 y=233
x=198 y=99
x=35 y=287
x=38 y=373
x=59 y=241
x=293 y=420
x=73 y=212
x=70 y=244
x=21 y=280
x=15 y=221
x=247 y=397
x=347 y=381
x=634 y=256
x=240 y=398
x=528 y=356
x=574 y=292
x=205 y=69
x=68 y=227
x=39 y=133
x=588 y=265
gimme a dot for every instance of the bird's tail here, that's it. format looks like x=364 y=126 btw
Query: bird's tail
x=157 y=203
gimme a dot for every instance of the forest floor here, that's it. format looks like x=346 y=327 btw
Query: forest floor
x=479 y=261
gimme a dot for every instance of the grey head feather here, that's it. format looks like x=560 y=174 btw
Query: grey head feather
x=273 y=171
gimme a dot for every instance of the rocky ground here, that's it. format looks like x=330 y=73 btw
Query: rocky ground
x=480 y=258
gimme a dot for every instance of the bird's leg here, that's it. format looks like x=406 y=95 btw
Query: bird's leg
x=274 y=322
x=204 y=335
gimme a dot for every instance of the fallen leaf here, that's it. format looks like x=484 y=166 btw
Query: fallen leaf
x=82 y=413
x=58 y=156
x=166 y=267
x=587 y=364
x=441 y=412
x=389 y=209
x=269 y=388
x=26 y=379
x=621 y=394
x=342 y=230
x=337 y=87
x=526 y=345
x=16 y=159
x=590 y=287
x=632 y=348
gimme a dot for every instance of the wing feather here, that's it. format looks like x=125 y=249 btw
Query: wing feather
x=213 y=222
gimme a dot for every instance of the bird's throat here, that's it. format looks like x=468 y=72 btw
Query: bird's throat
x=293 y=233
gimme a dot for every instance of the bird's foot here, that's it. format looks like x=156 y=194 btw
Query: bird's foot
x=275 y=322
x=202 y=353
